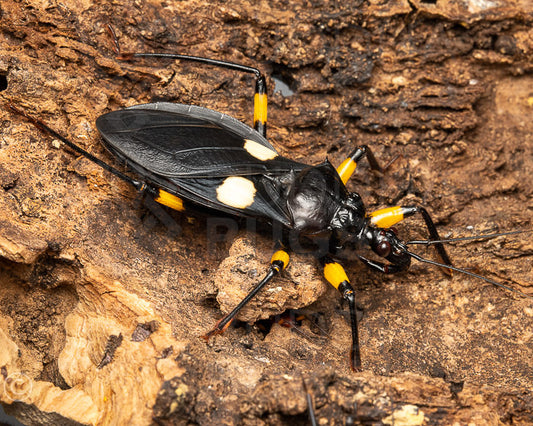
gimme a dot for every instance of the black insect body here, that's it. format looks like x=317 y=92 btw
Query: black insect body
x=189 y=157
x=208 y=159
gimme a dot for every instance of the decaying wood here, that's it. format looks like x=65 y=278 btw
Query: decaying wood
x=104 y=295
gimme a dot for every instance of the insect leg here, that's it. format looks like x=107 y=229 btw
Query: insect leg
x=159 y=195
x=347 y=167
x=279 y=261
x=166 y=198
x=260 y=105
x=260 y=97
x=336 y=276
x=387 y=217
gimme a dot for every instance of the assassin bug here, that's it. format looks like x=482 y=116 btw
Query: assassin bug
x=189 y=158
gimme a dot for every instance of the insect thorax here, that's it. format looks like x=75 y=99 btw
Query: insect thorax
x=319 y=203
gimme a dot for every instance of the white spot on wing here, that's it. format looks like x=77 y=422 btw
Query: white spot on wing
x=259 y=151
x=237 y=192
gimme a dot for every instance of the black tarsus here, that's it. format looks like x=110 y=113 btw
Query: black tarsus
x=225 y=64
x=348 y=294
x=365 y=151
x=275 y=268
x=433 y=233
x=216 y=62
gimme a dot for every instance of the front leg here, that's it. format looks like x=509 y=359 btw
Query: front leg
x=390 y=216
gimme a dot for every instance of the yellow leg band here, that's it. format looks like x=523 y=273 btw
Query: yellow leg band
x=335 y=274
x=385 y=218
x=346 y=169
x=281 y=256
x=260 y=108
x=170 y=200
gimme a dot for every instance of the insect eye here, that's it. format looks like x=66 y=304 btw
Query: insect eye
x=383 y=248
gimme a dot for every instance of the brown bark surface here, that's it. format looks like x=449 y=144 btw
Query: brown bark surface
x=103 y=296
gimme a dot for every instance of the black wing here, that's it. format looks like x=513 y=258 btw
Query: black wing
x=197 y=154
x=185 y=141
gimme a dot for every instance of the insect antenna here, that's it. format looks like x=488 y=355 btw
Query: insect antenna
x=473 y=237
x=472 y=274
